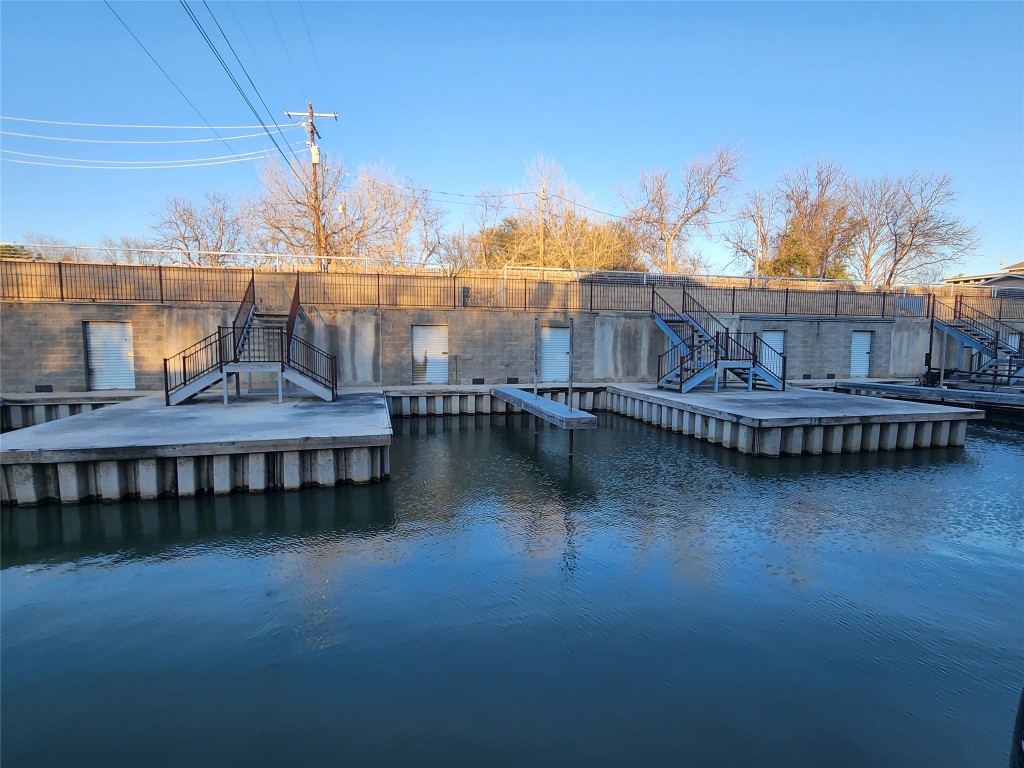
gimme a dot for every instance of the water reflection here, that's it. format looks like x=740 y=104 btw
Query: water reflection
x=164 y=528
x=660 y=599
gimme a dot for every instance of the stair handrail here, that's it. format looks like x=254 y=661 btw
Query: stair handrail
x=244 y=315
x=998 y=330
x=669 y=361
x=769 y=358
x=710 y=324
x=192 y=363
x=701 y=357
x=314 y=363
x=293 y=314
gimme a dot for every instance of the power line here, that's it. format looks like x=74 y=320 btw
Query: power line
x=283 y=45
x=323 y=80
x=252 y=50
x=227 y=70
x=161 y=127
x=428 y=190
x=131 y=167
x=258 y=152
x=169 y=79
x=136 y=141
x=246 y=73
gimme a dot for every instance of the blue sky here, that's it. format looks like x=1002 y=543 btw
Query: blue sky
x=460 y=96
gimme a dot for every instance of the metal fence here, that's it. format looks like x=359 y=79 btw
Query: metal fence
x=22 y=280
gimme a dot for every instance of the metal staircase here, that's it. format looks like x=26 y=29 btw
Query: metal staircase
x=256 y=342
x=999 y=353
x=702 y=348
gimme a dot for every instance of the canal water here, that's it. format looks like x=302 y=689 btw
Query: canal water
x=660 y=601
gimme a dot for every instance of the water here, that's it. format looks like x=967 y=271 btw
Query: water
x=661 y=601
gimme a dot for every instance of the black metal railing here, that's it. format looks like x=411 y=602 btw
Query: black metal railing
x=244 y=315
x=314 y=363
x=293 y=311
x=999 y=332
x=710 y=324
x=985 y=329
x=66 y=281
x=194 y=362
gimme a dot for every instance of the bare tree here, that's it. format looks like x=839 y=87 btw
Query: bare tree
x=132 y=250
x=755 y=237
x=664 y=217
x=924 y=237
x=870 y=202
x=202 y=231
x=818 y=236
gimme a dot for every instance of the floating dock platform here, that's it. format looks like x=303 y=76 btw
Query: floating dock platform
x=144 y=449
x=551 y=411
x=798 y=421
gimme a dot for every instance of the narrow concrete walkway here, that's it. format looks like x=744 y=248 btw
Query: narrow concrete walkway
x=551 y=411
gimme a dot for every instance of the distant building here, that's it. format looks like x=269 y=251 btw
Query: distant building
x=1009 y=281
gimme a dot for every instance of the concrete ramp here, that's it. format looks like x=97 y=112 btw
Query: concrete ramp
x=553 y=412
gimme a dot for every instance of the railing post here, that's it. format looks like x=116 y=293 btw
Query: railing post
x=592 y=297
x=160 y=281
x=733 y=312
x=883 y=304
x=378 y=290
x=455 y=299
x=837 y=303
x=167 y=386
x=60 y=279
x=785 y=308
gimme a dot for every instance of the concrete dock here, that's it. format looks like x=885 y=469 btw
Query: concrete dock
x=143 y=449
x=798 y=421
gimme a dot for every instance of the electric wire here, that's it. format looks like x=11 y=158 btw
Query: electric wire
x=238 y=87
x=136 y=141
x=287 y=54
x=169 y=79
x=161 y=127
x=264 y=152
x=252 y=49
x=316 y=56
x=130 y=167
x=247 y=77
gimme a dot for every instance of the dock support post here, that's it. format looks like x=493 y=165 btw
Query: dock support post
x=108 y=477
x=852 y=436
x=905 y=435
x=147 y=478
x=70 y=481
x=870 y=434
x=222 y=474
x=793 y=441
x=887 y=440
x=186 y=468
x=923 y=435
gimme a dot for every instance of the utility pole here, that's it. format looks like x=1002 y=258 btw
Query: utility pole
x=543 y=192
x=319 y=236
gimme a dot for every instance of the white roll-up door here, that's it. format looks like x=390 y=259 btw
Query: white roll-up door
x=110 y=352
x=860 y=354
x=554 y=354
x=430 y=354
x=775 y=339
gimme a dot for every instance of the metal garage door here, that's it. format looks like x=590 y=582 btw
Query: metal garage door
x=554 y=354
x=110 y=354
x=775 y=339
x=860 y=354
x=430 y=354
